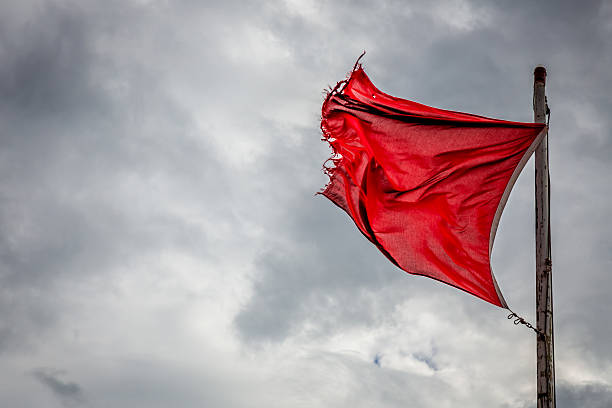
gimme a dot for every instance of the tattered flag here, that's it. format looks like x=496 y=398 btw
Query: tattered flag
x=426 y=186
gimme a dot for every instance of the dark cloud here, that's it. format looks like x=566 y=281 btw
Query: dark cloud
x=589 y=395
x=46 y=65
x=427 y=359
x=90 y=150
x=69 y=393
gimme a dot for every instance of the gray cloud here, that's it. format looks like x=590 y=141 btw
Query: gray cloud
x=427 y=359
x=157 y=220
x=83 y=175
x=584 y=395
x=70 y=393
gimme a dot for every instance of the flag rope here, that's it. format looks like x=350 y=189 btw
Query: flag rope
x=519 y=320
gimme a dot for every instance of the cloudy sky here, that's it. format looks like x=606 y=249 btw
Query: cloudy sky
x=161 y=244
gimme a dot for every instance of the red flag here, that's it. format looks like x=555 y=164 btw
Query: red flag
x=427 y=186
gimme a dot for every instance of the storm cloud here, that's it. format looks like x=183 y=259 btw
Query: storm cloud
x=161 y=243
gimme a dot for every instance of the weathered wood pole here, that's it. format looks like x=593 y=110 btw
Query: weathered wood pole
x=544 y=301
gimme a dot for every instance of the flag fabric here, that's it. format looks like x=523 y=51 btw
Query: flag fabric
x=426 y=186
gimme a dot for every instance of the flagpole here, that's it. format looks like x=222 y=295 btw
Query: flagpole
x=544 y=305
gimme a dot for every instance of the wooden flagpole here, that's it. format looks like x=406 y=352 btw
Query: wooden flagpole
x=544 y=304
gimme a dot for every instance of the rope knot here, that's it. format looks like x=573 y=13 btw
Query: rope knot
x=519 y=320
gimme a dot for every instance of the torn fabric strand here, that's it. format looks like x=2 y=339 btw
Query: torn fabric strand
x=426 y=186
